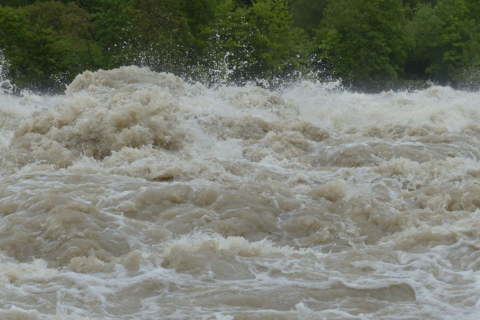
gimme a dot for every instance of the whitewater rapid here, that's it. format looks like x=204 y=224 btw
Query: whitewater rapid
x=137 y=195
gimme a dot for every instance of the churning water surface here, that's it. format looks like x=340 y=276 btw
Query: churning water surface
x=139 y=196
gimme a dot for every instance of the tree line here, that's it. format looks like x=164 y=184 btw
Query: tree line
x=366 y=43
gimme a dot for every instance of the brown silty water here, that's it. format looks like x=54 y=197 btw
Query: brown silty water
x=138 y=196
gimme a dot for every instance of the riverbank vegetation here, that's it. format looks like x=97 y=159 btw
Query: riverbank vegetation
x=368 y=44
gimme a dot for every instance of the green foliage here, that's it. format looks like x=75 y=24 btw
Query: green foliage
x=32 y=53
x=75 y=28
x=161 y=35
x=16 y=3
x=473 y=7
x=200 y=12
x=307 y=14
x=283 y=47
x=20 y=3
x=45 y=43
x=447 y=41
x=114 y=29
x=257 y=41
x=363 y=40
x=415 y=3
x=62 y=18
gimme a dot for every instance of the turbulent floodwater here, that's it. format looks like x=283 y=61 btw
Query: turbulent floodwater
x=139 y=196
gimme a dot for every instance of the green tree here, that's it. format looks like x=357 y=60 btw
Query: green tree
x=257 y=41
x=32 y=53
x=414 y=3
x=200 y=12
x=162 y=35
x=62 y=18
x=114 y=30
x=473 y=7
x=363 y=40
x=152 y=33
x=447 y=40
x=20 y=3
x=40 y=55
x=73 y=26
x=307 y=14
x=16 y=3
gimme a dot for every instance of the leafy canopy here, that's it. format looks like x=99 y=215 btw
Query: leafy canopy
x=363 y=39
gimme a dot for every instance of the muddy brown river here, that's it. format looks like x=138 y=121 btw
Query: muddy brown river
x=137 y=195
